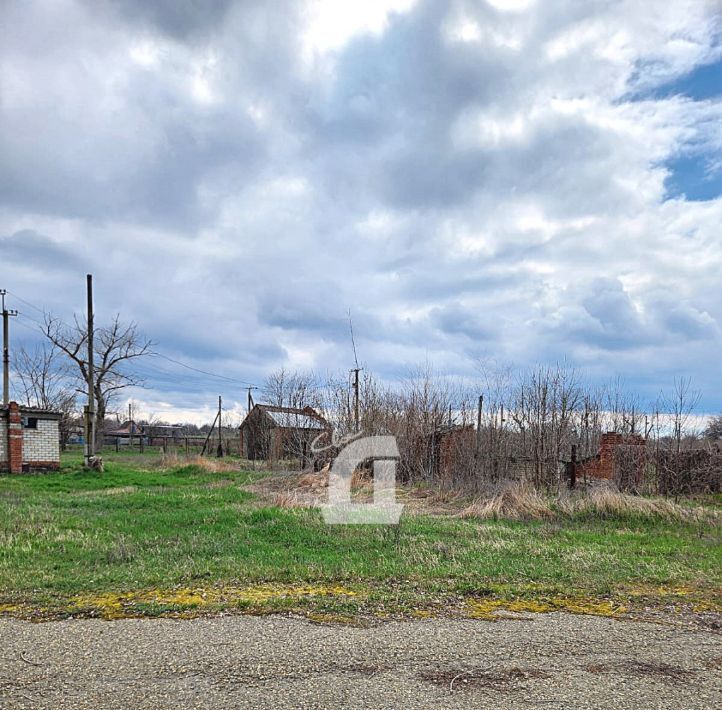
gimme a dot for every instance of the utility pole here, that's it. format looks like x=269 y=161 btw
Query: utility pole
x=478 y=426
x=355 y=371
x=250 y=397
x=90 y=409
x=6 y=348
x=219 y=452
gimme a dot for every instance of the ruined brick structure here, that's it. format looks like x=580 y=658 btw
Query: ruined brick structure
x=449 y=447
x=603 y=465
x=29 y=439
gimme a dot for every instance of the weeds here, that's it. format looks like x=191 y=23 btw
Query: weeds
x=521 y=501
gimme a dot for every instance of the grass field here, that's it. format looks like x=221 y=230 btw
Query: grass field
x=140 y=540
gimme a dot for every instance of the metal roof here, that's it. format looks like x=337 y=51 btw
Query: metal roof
x=294 y=420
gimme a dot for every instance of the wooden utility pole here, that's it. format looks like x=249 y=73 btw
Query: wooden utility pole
x=250 y=397
x=6 y=348
x=210 y=433
x=219 y=452
x=355 y=371
x=572 y=469
x=90 y=409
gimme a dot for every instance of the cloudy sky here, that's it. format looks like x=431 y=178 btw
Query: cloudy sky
x=516 y=180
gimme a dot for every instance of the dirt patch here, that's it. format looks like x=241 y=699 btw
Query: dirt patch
x=643 y=669
x=309 y=489
x=505 y=680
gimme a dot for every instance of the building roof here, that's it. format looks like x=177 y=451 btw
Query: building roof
x=129 y=428
x=34 y=411
x=290 y=417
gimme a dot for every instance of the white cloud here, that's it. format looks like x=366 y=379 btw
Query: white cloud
x=466 y=179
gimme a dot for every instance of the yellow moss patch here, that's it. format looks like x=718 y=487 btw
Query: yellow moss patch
x=119 y=604
x=423 y=614
x=493 y=609
x=648 y=590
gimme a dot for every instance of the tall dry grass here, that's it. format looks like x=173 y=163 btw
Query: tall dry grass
x=521 y=501
x=515 y=501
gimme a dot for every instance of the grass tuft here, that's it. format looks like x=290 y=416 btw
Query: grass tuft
x=521 y=501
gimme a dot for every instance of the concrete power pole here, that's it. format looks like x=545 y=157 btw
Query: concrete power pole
x=6 y=348
x=90 y=408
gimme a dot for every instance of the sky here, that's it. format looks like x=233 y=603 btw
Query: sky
x=517 y=181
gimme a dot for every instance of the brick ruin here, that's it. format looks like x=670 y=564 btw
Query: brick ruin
x=29 y=439
x=604 y=464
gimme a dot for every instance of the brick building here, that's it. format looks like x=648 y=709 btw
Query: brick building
x=29 y=439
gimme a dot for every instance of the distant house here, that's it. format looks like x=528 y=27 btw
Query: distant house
x=273 y=433
x=125 y=432
x=152 y=434
x=29 y=439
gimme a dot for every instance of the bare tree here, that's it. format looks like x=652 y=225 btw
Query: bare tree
x=714 y=428
x=115 y=346
x=679 y=407
x=44 y=380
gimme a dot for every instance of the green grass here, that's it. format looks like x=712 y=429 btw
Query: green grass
x=138 y=539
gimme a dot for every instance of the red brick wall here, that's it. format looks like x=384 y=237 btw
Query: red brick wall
x=603 y=464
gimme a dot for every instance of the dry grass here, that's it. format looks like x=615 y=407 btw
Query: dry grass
x=291 y=499
x=208 y=464
x=606 y=502
x=521 y=501
x=515 y=501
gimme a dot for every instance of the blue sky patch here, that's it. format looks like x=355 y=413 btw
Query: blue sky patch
x=703 y=82
x=691 y=177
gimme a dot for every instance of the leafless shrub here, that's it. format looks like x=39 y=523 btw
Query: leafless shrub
x=513 y=426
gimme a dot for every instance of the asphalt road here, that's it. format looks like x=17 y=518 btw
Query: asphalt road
x=551 y=661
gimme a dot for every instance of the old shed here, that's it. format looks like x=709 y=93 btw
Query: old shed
x=272 y=433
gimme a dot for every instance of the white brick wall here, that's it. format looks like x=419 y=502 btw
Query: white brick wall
x=3 y=439
x=43 y=443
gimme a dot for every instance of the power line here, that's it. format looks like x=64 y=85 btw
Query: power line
x=27 y=303
x=154 y=353
x=203 y=372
